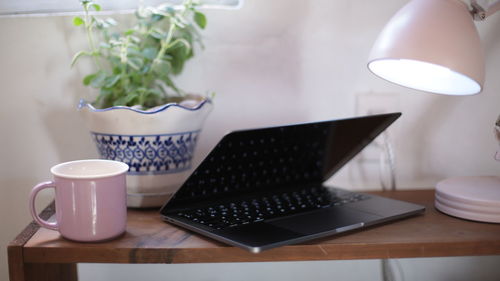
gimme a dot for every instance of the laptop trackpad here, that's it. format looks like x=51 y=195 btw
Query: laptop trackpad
x=324 y=220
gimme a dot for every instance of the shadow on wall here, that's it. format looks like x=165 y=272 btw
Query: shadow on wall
x=65 y=126
x=436 y=110
x=69 y=135
x=491 y=38
x=252 y=60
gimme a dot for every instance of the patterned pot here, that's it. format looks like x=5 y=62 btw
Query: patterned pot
x=157 y=144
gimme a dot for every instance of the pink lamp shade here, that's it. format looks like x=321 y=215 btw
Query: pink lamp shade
x=433 y=46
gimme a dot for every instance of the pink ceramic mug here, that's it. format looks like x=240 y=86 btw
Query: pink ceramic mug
x=90 y=197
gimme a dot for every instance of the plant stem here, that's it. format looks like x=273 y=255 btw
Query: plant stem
x=90 y=37
x=165 y=45
x=123 y=60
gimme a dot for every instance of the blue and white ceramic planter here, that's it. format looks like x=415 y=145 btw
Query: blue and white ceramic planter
x=157 y=144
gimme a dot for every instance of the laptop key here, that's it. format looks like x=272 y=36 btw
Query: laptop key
x=231 y=214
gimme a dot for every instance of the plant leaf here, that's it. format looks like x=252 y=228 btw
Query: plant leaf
x=149 y=53
x=145 y=69
x=77 y=21
x=156 y=17
x=183 y=44
x=171 y=84
x=155 y=92
x=104 y=98
x=162 y=67
x=130 y=98
x=111 y=21
x=98 y=80
x=105 y=45
x=181 y=19
x=158 y=33
x=178 y=21
x=157 y=11
x=127 y=99
x=132 y=72
x=96 y=7
x=135 y=39
x=179 y=56
x=87 y=79
x=131 y=51
x=110 y=81
x=166 y=8
x=100 y=24
x=200 y=19
x=135 y=63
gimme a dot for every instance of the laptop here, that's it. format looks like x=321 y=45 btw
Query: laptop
x=263 y=188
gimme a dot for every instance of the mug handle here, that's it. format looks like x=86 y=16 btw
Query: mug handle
x=34 y=214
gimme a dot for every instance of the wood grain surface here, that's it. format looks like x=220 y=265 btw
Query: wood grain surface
x=150 y=240
x=19 y=270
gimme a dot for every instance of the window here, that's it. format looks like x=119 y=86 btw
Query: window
x=21 y=7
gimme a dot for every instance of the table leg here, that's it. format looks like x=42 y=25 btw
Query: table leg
x=21 y=271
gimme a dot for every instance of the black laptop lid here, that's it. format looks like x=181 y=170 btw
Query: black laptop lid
x=266 y=159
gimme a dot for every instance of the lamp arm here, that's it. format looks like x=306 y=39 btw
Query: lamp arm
x=493 y=8
x=481 y=11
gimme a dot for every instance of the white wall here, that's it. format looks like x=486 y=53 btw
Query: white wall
x=270 y=63
x=443 y=269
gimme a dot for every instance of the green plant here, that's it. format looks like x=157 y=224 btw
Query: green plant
x=135 y=66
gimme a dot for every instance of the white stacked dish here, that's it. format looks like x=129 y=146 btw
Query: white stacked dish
x=472 y=198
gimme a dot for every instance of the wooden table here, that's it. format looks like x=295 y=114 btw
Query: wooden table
x=41 y=254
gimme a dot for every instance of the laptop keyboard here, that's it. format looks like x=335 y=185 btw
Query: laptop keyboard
x=231 y=214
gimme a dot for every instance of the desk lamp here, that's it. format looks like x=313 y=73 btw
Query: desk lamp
x=434 y=46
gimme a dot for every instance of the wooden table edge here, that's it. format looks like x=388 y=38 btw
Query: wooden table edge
x=20 y=270
x=287 y=253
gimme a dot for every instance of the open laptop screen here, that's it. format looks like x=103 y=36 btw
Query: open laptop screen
x=266 y=159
